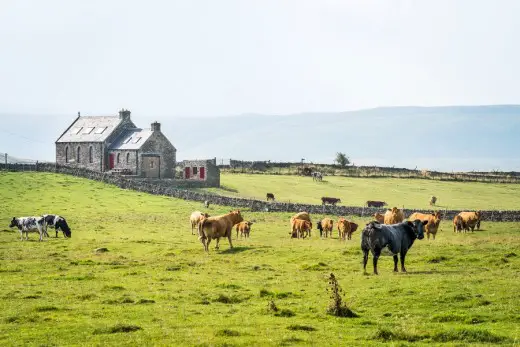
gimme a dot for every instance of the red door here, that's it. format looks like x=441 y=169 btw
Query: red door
x=111 y=161
x=202 y=172
x=186 y=172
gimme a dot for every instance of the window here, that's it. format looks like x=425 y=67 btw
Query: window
x=194 y=170
x=151 y=164
x=127 y=140
x=78 y=151
x=67 y=154
x=127 y=158
x=136 y=140
x=100 y=130
x=118 y=158
x=90 y=158
x=88 y=130
x=75 y=130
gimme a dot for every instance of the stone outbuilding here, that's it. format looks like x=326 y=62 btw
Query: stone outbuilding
x=204 y=171
x=115 y=144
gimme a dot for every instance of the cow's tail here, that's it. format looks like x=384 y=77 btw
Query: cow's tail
x=202 y=234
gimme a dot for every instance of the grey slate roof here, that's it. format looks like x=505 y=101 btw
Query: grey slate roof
x=131 y=139
x=90 y=129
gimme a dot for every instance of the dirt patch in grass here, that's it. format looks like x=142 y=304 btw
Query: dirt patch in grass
x=118 y=328
x=436 y=260
x=301 y=327
x=145 y=301
x=231 y=299
x=227 y=332
x=46 y=308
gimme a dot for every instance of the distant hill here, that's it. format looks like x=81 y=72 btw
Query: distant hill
x=14 y=160
x=458 y=138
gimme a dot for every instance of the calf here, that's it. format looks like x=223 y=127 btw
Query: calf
x=302 y=229
x=327 y=200
x=206 y=204
x=433 y=200
x=326 y=226
x=371 y=203
x=195 y=218
x=299 y=216
x=433 y=219
x=458 y=224
x=396 y=238
x=471 y=220
x=269 y=196
x=346 y=229
x=379 y=217
x=29 y=224
x=394 y=216
x=244 y=228
x=59 y=223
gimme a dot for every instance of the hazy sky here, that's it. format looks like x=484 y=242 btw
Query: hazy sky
x=210 y=58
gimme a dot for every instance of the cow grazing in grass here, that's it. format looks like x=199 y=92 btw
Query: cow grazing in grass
x=302 y=229
x=396 y=239
x=299 y=216
x=317 y=176
x=379 y=217
x=327 y=200
x=458 y=224
x=371 y=203
x=206 y=204
x=269 y=196
x=433 y=219
x=346 y=229
x=325 y=226
x=394 y=216
x=244 y=228
x=218 y=226
x=433 y=200
x=59 y=223
x=29 y=224
x=471 y=220
x=195 y=218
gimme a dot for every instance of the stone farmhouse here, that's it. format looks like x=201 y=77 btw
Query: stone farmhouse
x=114 y=144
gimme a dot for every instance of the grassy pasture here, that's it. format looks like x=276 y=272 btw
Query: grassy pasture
x=155 y=285
x=412 y=193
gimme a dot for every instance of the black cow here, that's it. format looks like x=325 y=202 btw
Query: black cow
x=327 y=200
x=395 y=238
x=59 y=223
x=269 y=196
x=371 y=203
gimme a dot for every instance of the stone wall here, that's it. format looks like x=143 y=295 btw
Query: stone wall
x=159 y=144
x=131 y=164
x=84 y=149
x=164 y=187
x=212 y=171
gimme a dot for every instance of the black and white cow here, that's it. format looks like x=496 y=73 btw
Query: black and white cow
x=59 y=223
x=29 y=224
x=392 y=239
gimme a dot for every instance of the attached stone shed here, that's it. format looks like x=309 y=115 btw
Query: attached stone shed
x=201 y=170
x=114 y=143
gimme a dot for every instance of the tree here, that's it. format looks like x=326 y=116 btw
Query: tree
x=342 y=159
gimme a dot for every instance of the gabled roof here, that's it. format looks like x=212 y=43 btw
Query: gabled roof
x=90 y=129
x=131 y=139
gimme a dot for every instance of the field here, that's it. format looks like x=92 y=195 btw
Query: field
x=156 y=286
x=410 y=193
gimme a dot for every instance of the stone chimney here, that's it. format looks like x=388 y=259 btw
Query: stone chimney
x=156 y=126
x=124 y=114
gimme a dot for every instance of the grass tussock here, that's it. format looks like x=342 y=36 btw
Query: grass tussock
x=46 y=308
x=229 y=299
x=469 y=335
x=118 y=328
x=314 y=267
x=145 y=301
x=396 y=335
x=227 y=332
x=437 y=259
x=294 y=327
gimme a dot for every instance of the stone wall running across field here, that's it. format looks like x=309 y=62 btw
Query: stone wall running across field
x=169 y=188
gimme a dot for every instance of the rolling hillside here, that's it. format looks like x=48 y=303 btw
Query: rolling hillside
x=155 y=286
x=459 y=138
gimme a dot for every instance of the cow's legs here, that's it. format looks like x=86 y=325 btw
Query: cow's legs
x=229 y=239
x=365 y=260
x=395 y=262
x=21 y=235
x=208 y=241
x=403 y=269
x=433 y=235
x=377 y=253
x=217 y=241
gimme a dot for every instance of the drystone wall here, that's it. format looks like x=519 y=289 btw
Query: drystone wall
x=167 y=188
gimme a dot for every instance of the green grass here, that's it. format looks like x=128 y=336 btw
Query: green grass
x=410 y=193
x=156 y=286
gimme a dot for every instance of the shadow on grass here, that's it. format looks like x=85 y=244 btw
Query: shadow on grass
x=236 y=250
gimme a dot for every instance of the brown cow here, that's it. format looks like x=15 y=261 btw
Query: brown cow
x=433 y=220
x=302 y=228
x=332 y=201
x=195 y=218
x=433 y=200
x=371 y=203
x=269 y=196
x=471 y=219
x=393 y=216
x=217 y=227
x=379 y=217
x=302 y=216
x=458 y=224
x=326 y=225
x=346 y=228
x=244 y=228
